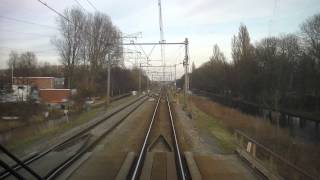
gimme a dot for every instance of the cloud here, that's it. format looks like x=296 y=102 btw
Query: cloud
x=204 y=22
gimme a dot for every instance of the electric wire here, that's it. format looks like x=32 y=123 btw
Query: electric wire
x=26 y=22
x=78 y=3
x=26 y=33
x=92 y=5
x=68 y=20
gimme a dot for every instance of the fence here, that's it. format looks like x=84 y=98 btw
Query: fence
x=270 y=164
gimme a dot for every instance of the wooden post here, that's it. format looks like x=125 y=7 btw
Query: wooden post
x=254 y=150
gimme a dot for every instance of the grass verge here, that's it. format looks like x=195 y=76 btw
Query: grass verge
x=297 y=151
x=215 y=128
x=19 y=145
x=209 y=125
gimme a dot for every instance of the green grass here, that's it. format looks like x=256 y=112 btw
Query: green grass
x=215 y=128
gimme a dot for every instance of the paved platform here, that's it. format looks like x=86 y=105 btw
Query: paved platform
x=159 y=166
x=217 y=166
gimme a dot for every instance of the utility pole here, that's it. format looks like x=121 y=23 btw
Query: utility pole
x=147 y=83
x=140 y=79
x=108 y=79
x=152 y=83
x=175 y=77
x=186 y=76
x=161 y=37
x=12 y=75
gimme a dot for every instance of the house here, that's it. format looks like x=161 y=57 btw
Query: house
x=55 y=96
x=44 y=89
x=39 y=82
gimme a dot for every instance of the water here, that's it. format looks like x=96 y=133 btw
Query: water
x=296 y=126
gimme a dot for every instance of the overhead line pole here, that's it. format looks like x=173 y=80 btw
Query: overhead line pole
x=161 y=37
x=185 y=62
x=108 y=79
x=140 y=79
x=175 y=77
x=186 y=76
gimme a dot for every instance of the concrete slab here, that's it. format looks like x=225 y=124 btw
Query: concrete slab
x=222 y=167
x=159 y=166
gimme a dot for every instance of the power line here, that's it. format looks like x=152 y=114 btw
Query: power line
x=26 y=22
x=26 y=33
x=28 y=50
x=179 y=53
x=18 y=49
x=66 y=19
x=55 y=11
x=92 y=5
x=79 y=4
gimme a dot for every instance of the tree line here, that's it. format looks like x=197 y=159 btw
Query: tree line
x=278 y=71
x=87 y=44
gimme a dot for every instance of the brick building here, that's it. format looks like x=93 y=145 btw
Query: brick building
x=47 y=89
x=55 y=96
x=39 y=82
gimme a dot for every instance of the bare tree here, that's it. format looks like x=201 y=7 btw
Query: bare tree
x=217 y=55
x=104 y=39
x=70 y=41
x=13 y=59
x=311 y=35
x=241 y=46
x=24 y=64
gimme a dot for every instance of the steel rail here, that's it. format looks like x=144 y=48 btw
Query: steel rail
x=59 y=169
x=182 y=173
x=28 y=161
x=27 y=168
x=144 y=146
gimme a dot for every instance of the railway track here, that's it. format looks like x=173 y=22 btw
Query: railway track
x=82 y=141
x=160 y=143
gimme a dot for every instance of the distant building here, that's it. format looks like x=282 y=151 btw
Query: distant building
x=40 y=82
x=55 y=96
x=58 y=83
x=48 y=90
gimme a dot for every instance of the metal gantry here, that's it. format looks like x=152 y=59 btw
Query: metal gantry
x=185 y=61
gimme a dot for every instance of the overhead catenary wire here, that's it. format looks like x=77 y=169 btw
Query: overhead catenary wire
x=27 y=22
x=78 y=3
x=27 y=50
x=26 y=33
x=55 y=11
x=92 y=5
x=68 y=20
x=179 y=53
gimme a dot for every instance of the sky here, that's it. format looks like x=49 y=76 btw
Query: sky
x=203 y=22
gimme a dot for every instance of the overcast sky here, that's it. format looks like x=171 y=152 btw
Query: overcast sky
x=204 y=22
